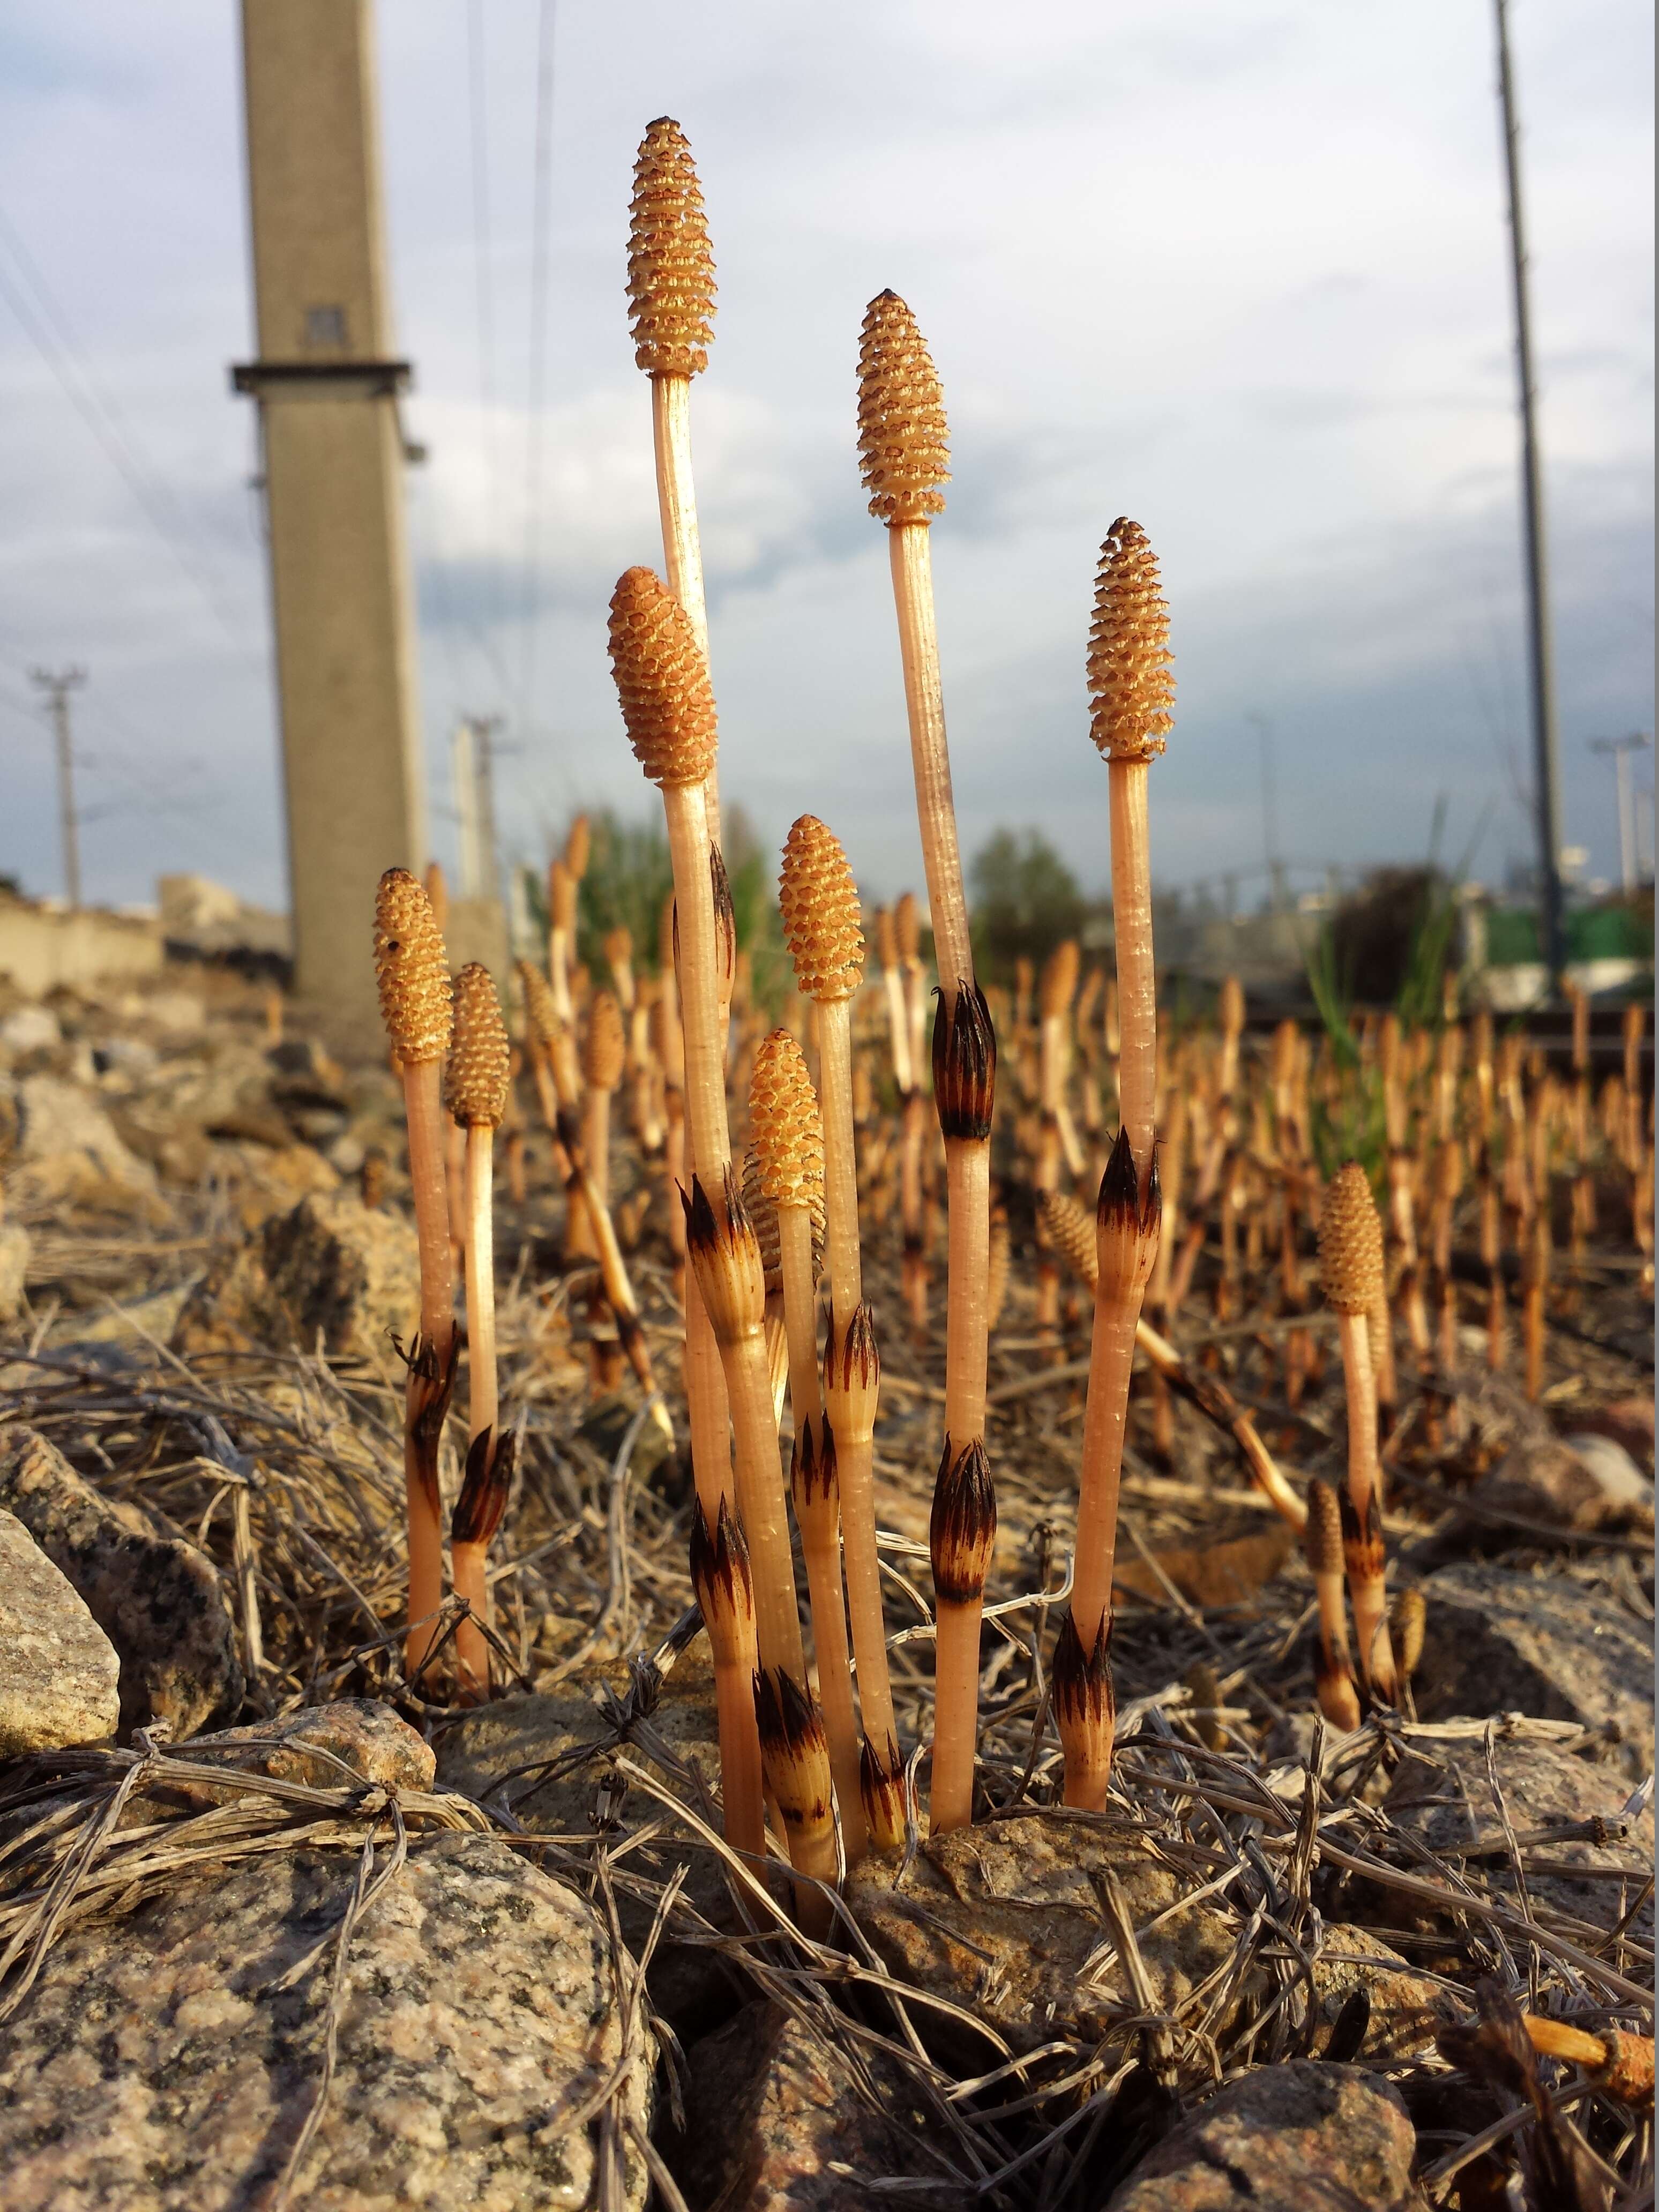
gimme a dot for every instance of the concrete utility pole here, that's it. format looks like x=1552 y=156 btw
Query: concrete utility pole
x=1546 y=765
x=327 y=389
x=1621 y=749
x=57 y=688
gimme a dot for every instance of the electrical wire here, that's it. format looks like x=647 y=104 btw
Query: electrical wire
x=540 y=224
x=44 y=322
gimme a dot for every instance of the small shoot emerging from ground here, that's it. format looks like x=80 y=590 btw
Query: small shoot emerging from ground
x=475 y=1083
x=412 y=970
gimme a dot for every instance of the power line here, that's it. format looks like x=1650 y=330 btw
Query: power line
x=484 y=288
x=49 y=331
x=540 y=197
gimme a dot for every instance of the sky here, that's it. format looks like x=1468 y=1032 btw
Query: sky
x=1235 y=268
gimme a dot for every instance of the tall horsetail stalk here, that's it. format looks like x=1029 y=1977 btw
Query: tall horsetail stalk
x=670 y=310
x=412 y=970
x=904 y=457
x=823 y=928
x=1131 y=692
x=476 y=1081
x=788 y=1137
x=668 y=708
x=1350 y=1273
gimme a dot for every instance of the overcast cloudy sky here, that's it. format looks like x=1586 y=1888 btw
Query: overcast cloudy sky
x=1233 y=267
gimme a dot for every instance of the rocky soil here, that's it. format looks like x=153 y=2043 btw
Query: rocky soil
x=279 y=1927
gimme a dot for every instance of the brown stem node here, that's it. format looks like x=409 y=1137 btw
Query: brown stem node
x=963 y=1528
x=964 y=1063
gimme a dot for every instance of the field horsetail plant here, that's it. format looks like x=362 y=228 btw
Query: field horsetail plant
x=1131 y=691
x=903 y=456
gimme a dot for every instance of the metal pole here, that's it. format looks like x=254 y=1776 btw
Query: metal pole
x=1546 y=767
x=58 y=688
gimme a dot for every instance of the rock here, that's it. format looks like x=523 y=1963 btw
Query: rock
x=1406 y=2010
x=168 y=2061
x=1443 y=1796
x=68 y=1154
x=1585 y=1482
x=1628 y=1421
x=14 y=1248
x=1003 y=1918
x=777 y=2124
x=326 y=1268
x=324 y=1747
x=59 y=1684
x=1294 y=2138
x=30 y=1028
x=176 y=1013
x=1495 y=1641
x=158 y=1599
x=1626 y=1488
x=542 y=1756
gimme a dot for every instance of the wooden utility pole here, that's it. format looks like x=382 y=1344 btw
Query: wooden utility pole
x=57 y=688
x=327 y=385
x=1546 y=763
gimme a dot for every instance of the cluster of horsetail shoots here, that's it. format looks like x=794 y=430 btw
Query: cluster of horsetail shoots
x=1470 y=1128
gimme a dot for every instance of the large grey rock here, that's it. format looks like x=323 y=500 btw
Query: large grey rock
x=1296 y=2137
x=1495 y=1641
x=59 y=1682
x=543 y=1757
x=158 y=1599
x=326 y=1268
x=777 y=2122
x=1444 y=1797
x=167 y=2062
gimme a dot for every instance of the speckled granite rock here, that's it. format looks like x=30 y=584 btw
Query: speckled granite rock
x=327 y=1266
x=326 y=1747
x=1498 y=1642
x=542 y=1756
x=59 y=1682
x=158 y=1600
x=777 y=2124
x=1404 y=2010
x=1444 y=1797
x=1296 y=2137
x=166 y=2064
x=1003 y=1917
